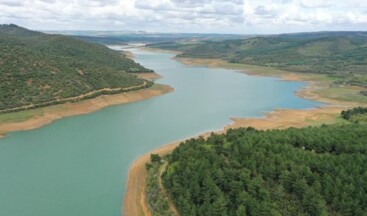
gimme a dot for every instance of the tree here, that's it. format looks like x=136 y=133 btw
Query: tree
x=241 y=211
x=312 y=168
x=155 y=158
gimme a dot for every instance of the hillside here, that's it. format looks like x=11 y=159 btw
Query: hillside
x=342 y=54
x=38 y=69
x=308 y=171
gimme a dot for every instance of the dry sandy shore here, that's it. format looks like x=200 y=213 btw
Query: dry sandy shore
x=53 y=113
x=135 y=203
x=149 y=76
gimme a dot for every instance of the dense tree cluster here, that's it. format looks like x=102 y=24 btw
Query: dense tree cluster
x=357 y=114
x=308 y=171
x=37 y=68
x=341 y=54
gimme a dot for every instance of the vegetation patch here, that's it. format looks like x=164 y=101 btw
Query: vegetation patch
x=308 y=171
x=356 y=115
x=157 y=199
x=338 y=54
x=39 y=69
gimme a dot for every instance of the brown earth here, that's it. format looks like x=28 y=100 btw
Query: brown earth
x=159 y=50
x=135 y=202
x=285 y=118
x=128 y=54
x=149 y=76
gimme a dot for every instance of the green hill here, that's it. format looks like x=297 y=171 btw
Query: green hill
x=38 y=69
x=308 y=171
x=342 y=54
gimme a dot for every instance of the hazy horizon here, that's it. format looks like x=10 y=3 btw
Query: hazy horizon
x=127 y=31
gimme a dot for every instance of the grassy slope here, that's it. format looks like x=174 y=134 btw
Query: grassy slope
x=37 y=67
x=341 y=54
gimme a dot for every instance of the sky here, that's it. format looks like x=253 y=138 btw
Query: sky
x=191 y=16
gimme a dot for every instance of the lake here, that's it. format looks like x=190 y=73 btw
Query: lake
x=78 y=166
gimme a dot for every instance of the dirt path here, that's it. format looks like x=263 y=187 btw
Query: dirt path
x=171 y=204
x=47 y=115
x=135 y=202
x=76 y=98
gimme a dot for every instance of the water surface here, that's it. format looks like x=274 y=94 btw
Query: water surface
x=78 y=166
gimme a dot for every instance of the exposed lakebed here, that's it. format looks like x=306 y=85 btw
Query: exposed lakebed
x=78 y=166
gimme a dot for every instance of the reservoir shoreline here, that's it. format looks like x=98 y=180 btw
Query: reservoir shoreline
x=44 y=116
x=97 y=149
x=134 y=202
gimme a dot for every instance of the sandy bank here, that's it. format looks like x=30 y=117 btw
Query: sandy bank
x=159 y=50
x=43 y=116
x=319 y=87
x=149 y=76
x=135 y=203
x=128 y=54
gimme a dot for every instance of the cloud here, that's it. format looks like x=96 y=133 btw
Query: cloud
x=11 y=3
x=316 y=3
x=305 y=15
x=222 y=16
x=265 y=12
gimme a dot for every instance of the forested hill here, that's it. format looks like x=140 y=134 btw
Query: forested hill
x=308 y=171
x=38 y=69
x=343 y=54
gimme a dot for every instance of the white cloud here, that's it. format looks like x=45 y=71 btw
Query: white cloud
x=305 y=15
x=316 y=3
x=224 y=16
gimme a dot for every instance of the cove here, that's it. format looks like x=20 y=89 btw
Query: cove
x=78 y=166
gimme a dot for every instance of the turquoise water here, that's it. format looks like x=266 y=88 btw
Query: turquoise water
x=78 y=166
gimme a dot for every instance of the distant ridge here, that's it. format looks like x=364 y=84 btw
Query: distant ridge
x=38 y=69
x=341 y=54
x=321 y=34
